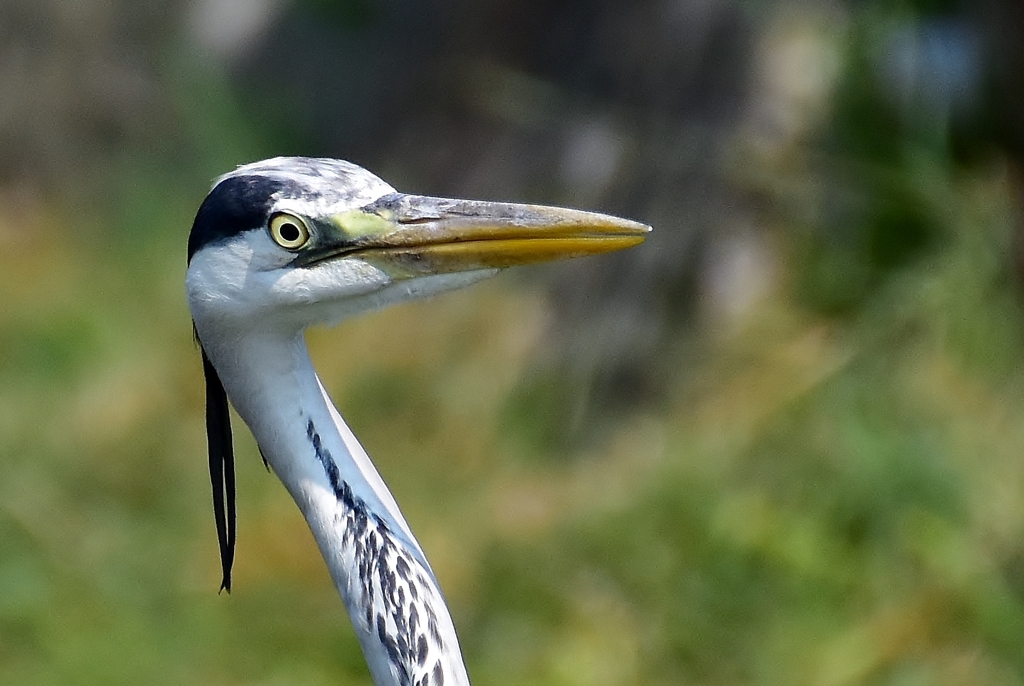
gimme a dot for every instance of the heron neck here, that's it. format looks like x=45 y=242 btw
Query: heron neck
x=271 y=383
x=357 y=525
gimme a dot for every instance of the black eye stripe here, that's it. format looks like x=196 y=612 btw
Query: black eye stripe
x=234 y=206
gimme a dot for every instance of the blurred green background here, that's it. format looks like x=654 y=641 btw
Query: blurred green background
x=779 y=443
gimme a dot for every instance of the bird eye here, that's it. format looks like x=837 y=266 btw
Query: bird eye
x=288 y=231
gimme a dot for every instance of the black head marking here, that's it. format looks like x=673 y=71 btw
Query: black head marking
x=236 y=204
x=242 y=200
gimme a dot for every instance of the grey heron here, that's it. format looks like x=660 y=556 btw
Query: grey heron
x=286 y=243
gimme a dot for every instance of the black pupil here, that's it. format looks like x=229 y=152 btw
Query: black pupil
x=289 y=232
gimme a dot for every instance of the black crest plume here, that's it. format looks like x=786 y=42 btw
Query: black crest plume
x=222 y=467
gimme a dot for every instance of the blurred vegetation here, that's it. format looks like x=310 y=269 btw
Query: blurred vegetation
x=779 y=444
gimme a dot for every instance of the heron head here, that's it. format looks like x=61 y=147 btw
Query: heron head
x=290 y=242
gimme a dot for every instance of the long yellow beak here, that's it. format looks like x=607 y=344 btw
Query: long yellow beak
x=420 y=234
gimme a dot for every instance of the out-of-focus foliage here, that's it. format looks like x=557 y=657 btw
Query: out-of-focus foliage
x=786 y=445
